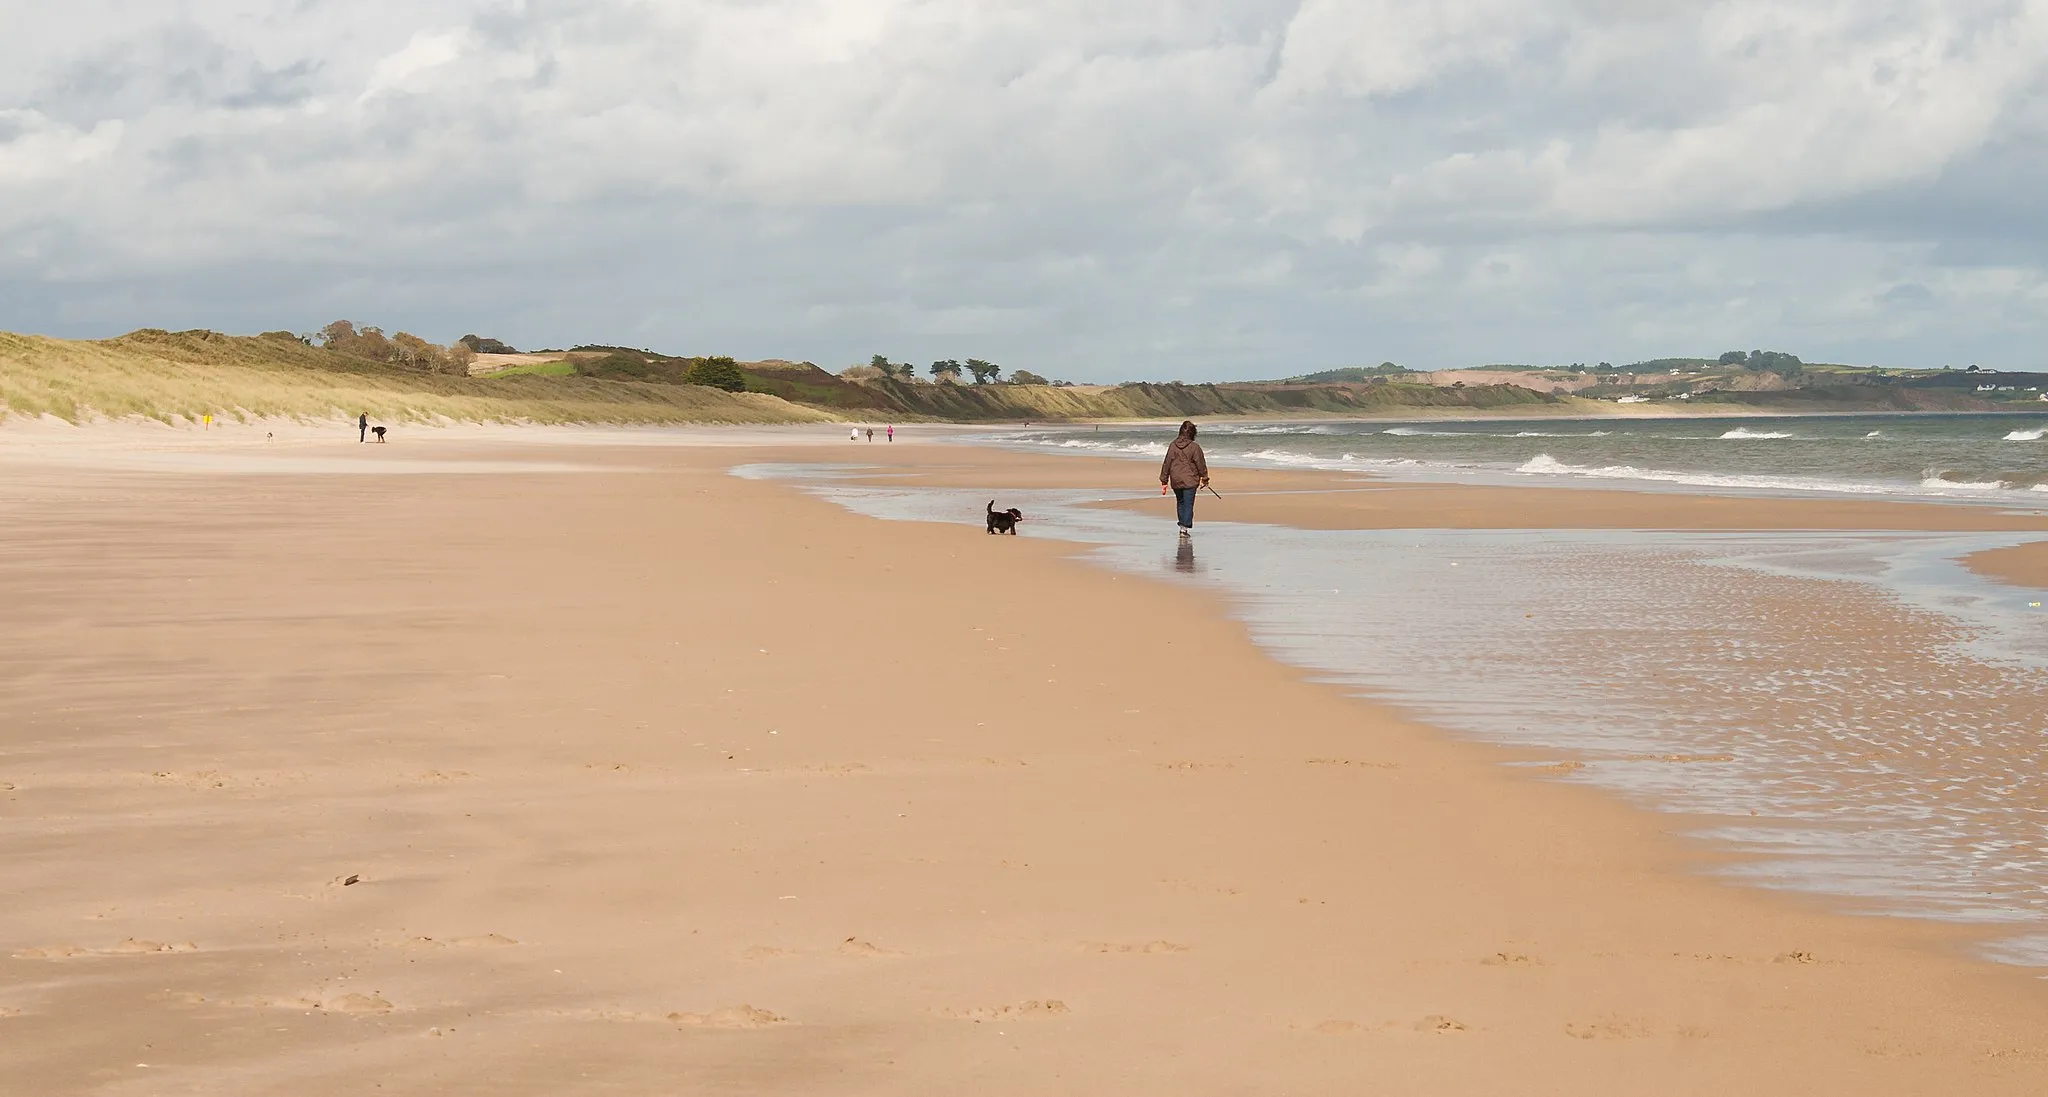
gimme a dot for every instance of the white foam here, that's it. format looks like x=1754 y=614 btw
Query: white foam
x=2034 y=435
x=1285 y=457
x=1418 y=432
x=1740 y=432
x=1149 y=449
x=1936 y=483
x=1544 y=464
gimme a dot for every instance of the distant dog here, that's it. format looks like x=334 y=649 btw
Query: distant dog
x=1003 y=521
x=379 y=432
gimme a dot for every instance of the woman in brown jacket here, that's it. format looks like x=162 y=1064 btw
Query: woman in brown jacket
x=1187 y=472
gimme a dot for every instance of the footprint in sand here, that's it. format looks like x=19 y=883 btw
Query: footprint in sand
x=358 y=1003
x=1193 y=767
x=437 y=775
x=488 y=940
x=1143 y=947
x=1606 y=1030
x=8 y=1011
x=854 y=946
x=202 y=779
x=765 y=952
x=740 y=1016
x=841 y=769
x=129 y=947
x=1511 y=959
x=1434 y=1023
x=1351 y=762
x=1033 y=1008
x=350 y=1003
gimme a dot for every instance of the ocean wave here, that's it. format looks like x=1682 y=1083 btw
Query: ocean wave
x=1149 y=449
x=1740 y=432
x=1979 y=480
x=1286 y=457
x=2034 y=435
x=1875 y=434
x=1347 y=462
x=1418 y=432
x=1555 y=434
x=1545 y=465
x=1941 y=482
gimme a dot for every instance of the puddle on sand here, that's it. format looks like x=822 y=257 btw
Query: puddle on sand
x=1852 y=714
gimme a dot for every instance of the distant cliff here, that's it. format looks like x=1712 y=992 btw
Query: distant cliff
x=804 y=383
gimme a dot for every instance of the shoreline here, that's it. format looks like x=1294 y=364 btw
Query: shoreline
x=974 y=816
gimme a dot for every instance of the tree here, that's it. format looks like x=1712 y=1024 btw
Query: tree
x=459 y=358
x=414 y=352
x=719 y=373
x=945 y=369
x=483 y=345
x=337 y=333
x=983 y=372
x=1734 y=358
x=1026 y=377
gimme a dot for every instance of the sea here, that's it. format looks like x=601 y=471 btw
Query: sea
x=1972 y=457
x=1849 y=714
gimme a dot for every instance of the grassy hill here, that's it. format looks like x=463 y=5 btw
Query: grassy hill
x=172 y=375
x=167 y=375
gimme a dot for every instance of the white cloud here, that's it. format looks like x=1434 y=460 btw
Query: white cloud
x=426 y=50
x=1185 y=186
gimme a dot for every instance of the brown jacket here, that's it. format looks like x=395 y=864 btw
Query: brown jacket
x=1184 y=467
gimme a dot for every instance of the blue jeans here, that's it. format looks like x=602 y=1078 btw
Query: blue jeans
x=1184 y=504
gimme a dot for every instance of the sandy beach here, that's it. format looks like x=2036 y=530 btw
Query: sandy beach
x=478 y=766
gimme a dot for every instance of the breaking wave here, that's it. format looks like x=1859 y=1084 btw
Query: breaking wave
x=1740 y=432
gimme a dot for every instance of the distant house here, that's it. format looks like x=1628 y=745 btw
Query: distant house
x=1632 y=398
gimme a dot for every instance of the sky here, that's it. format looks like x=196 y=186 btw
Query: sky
x=1097 y=190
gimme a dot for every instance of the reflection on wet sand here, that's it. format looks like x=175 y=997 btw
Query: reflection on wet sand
x=1854 y=713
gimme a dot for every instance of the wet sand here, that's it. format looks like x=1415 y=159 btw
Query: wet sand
x=2020 y=565
x=658 y=780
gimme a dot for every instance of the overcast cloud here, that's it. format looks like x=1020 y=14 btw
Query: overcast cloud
x=1156 y=188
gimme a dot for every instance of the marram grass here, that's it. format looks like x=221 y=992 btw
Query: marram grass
x=169 y=376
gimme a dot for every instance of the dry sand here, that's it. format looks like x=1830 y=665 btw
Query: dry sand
x=654 y=780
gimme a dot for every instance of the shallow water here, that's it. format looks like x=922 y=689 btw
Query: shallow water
x=1852 y=714
x=1979 y=458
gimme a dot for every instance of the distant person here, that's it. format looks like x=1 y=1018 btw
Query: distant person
x=853 y=434
x=379 y=432
x=871 y=434
x=1186 y=471
x=363 y=427
x=892 y=432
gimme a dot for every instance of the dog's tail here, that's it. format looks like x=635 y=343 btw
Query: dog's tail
x=991 y=506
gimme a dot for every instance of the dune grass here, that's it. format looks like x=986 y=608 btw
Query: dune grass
x=536 y=369
x=169 y=376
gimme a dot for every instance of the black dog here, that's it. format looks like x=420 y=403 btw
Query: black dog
x=1003 y=521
